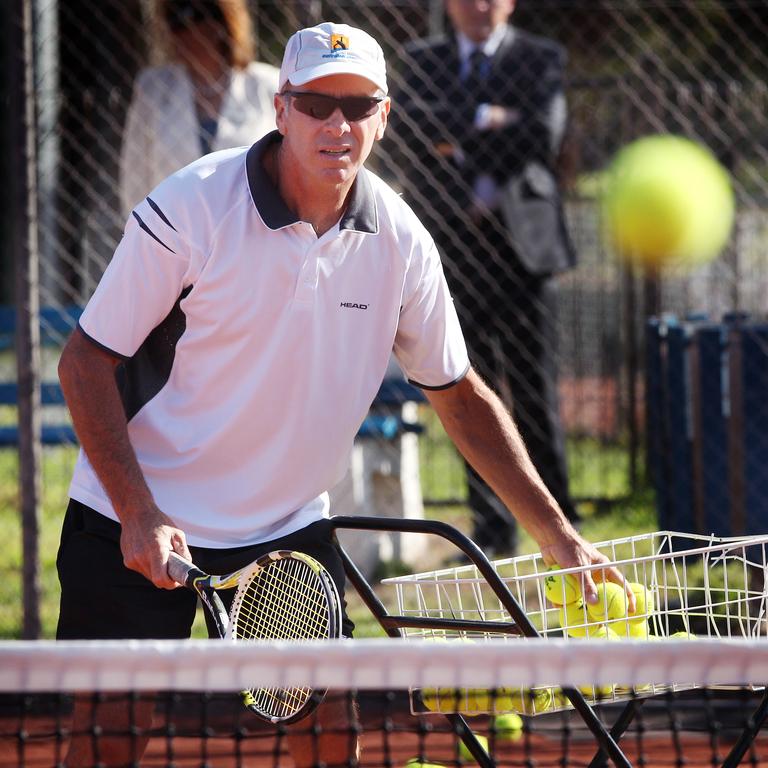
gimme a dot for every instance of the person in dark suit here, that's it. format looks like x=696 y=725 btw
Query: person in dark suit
x=479 y=119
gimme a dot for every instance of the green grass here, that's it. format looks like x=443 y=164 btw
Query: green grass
x=596 y=470
x=57 y=470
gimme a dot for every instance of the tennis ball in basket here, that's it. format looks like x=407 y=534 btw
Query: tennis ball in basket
x=466 y=754
x=611 y=602
x=601 y=632
x=644 y=605
x=482 y=700
x=537 y=700
x=574 y=619
x=596 y=692
x=559 y=699
x=667 y=201
x=683 y=635
x=561 y=590
x=471 y=701
x=508 y=727
x=636 y=630
x=444 y=699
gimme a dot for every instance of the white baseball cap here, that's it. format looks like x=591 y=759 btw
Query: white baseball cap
x=332 y=49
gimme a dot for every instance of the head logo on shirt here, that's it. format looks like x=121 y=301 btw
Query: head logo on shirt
x=339 y=43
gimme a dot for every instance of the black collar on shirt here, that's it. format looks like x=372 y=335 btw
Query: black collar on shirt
x=360 y=215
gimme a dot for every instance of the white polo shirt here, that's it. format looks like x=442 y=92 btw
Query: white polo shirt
x=252 y=349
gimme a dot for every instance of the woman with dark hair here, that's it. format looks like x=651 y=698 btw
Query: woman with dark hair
x=212 y=95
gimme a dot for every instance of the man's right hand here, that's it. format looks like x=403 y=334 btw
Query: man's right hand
x=147 y=538
x=87 y=374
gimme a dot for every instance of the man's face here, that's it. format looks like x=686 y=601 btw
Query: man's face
x=478 y=18
x=331 y=150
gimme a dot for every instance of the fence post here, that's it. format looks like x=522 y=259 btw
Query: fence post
x=22 y=177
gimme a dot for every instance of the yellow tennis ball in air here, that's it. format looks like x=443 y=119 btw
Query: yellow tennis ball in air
x=667 y=201
x=466 y=754
x=611 y=602
x=561 y=590
x=509 y=726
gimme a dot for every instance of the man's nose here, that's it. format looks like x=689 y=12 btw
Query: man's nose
x=337 y=123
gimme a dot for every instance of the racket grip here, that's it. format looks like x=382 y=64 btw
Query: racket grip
x=179 y=568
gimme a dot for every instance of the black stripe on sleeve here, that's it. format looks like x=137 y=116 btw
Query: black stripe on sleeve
x=156 y=208
x=150 y=232
x=100 y=345
x=441 y=386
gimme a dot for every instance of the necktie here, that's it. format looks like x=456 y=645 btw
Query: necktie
x=475 y=81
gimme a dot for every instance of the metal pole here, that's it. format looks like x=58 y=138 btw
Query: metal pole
x=22 y=178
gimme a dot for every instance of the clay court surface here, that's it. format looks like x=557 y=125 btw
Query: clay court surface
x=392 y=736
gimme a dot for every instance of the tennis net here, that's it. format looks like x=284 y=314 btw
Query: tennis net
x=531 y=702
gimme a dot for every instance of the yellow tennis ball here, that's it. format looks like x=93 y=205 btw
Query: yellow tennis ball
x=667 y=201
x=644 y=604
x=537 y=700
x=472 y=701
x=466 y=754
x=611 y=602
x=484 y=700
x=636 y=630
x=450 y=699
x=601 y=632
x=561 y=590
x=508 y=727
x=683 y=635
x=559 y=699
x=414 y=762
x=596 y=692
x=574 y=619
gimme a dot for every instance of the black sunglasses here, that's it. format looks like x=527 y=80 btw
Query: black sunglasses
x=321 y=107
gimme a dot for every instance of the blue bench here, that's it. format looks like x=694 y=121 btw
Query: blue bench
x=56 y=324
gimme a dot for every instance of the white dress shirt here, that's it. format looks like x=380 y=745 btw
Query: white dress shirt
x=486 y=191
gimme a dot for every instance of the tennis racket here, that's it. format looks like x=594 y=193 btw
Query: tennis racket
x=281 y=596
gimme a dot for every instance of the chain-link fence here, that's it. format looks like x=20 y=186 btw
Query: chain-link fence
x=696 y=68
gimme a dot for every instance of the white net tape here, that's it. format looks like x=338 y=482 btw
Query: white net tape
x=221 y=665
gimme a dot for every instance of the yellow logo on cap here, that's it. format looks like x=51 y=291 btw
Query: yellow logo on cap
x=339 y=43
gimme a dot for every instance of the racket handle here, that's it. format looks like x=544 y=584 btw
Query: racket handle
x=179 y=568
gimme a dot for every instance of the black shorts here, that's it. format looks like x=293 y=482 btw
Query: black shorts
x=101 y=599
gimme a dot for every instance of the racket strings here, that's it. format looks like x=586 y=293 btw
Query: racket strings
x=284 y=600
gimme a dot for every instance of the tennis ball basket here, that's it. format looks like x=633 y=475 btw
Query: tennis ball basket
x=686 y=587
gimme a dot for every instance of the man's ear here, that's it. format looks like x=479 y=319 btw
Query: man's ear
x=281 y=106
x=383 y=116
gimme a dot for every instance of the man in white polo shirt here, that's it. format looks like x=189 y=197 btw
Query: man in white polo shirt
x=231 y=351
